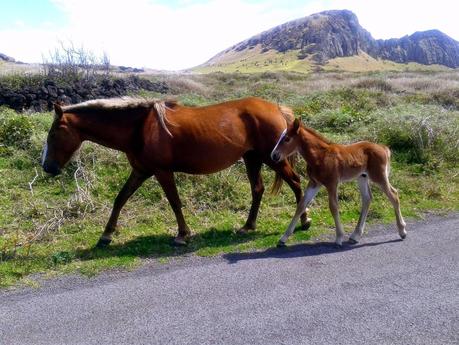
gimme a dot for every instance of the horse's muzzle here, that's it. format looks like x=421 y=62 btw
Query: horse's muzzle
x=51 y=168
x=275 y=156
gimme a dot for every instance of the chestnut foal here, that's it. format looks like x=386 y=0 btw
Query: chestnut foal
x=328 y=164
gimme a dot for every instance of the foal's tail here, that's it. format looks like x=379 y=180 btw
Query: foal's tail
x=388 y=153
x=277 y=184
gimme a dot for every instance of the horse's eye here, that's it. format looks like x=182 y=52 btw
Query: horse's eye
x=287 y=139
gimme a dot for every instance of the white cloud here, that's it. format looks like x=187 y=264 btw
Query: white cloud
x=145 y=33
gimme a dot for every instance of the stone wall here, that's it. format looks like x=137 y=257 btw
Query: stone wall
x=41 y=97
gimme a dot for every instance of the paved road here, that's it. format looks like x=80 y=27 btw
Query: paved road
x=381 y=291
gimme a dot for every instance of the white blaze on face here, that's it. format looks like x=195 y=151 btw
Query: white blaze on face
x=44 y=154
x=278 y=142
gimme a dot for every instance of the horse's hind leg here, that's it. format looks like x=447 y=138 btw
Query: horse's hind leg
x=134 y=181
x=392 y=195
x=286 y=172
x=253 y=166
x=167 y=182
x=365 y=193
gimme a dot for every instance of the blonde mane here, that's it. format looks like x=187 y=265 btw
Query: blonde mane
x=122 y=103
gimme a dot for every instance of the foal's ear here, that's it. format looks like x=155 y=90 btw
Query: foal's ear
x=58 y=110
x=296 y=126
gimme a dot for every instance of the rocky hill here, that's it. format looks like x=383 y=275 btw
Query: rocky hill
x=332 y=34
x=6 y=58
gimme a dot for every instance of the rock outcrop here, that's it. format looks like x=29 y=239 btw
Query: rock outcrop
x=337 y=33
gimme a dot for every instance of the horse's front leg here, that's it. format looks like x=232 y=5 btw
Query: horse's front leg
x=134 y=181
x=332 y=190
x=167 y=182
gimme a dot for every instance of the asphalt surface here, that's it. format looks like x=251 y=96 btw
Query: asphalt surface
x=380 y=291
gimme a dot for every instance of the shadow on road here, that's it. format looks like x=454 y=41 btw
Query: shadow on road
x=300 y=250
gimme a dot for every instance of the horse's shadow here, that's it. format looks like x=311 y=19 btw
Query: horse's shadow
x=161 y=245
x=300 y=250
x=212 y=240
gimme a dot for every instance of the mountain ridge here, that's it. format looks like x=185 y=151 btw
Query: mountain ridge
x=326 y=35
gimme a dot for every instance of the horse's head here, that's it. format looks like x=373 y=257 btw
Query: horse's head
x=62 y=142
x=287 y=143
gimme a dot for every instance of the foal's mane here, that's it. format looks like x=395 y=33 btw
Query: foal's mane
x=125 y=103
x=316 y=134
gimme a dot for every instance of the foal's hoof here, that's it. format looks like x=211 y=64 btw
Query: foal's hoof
x=352 y=241
x=281 y=244
x=179 y=242
x=306 y=224
x=103 y=243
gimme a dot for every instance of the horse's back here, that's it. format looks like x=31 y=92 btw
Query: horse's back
x=211 y=138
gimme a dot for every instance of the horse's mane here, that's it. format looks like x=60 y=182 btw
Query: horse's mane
x=126 y=103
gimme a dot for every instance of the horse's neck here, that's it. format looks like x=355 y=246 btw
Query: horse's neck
x=107 y=131
x=313 y=147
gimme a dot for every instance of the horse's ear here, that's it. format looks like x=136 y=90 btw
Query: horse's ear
x=58 y=110
x=296 y=126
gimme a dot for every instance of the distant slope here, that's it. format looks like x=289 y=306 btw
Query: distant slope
x=315 y=41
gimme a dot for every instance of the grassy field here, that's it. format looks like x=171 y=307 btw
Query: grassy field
x=50 y=225
x=255 y=60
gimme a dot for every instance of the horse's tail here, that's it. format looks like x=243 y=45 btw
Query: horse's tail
x=288 y=115
x=277 y=184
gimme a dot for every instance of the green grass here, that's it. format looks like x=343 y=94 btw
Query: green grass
x=50 y=227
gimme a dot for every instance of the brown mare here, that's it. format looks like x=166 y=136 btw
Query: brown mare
x=163 y=137
x=328 y=164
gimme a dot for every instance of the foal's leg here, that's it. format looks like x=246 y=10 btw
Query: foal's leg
x=365 y=193
x=167 y=182
x=334 y=209
x=309 y=194
x=392 y=195
x=253 y=166
x=134 y=181
x=286 y=172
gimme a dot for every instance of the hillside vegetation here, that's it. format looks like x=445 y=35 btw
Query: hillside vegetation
x=50 y=225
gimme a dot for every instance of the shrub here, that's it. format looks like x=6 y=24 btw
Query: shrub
x=424 y=134
x=373 y=83
x=15 y=130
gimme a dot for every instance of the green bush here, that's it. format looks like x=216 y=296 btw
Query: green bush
x=15 y=130
x=423 y=134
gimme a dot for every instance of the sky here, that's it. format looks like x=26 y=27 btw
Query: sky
x=179 y=34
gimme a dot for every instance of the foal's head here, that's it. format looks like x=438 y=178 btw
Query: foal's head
x=61 y=144
x=287 y=143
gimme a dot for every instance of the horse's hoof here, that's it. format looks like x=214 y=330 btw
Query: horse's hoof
x=244 y=231
x=403 y=236
x=338 y=246
x=103 y=243
x=179 y=242
x=352 y=241
x=281 y=244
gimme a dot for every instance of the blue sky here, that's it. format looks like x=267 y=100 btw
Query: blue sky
x=179 y=34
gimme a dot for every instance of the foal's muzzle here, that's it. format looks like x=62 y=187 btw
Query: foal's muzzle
x=51 y=168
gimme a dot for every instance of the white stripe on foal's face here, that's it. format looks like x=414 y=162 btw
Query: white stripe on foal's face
x=278 y=142
x=44 y=154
